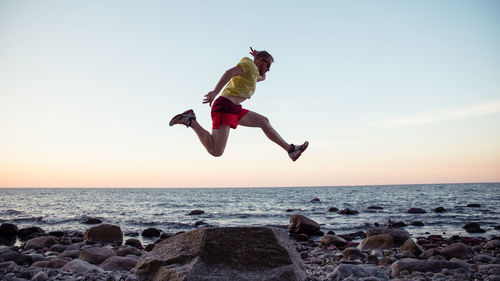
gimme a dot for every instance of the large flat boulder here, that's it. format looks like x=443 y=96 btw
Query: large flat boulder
x=223 y=254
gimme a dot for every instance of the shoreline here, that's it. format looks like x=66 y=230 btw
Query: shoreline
x=53 y=255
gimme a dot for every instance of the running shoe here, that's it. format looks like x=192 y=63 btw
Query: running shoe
x=184 y=118
x=296 y=151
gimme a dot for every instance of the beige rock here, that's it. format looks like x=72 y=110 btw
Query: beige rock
x=104 y=234
x=96 y=255
x=80 y=266
x=458 y=250
x=223 y=254
x=333 y=240
x=411 y=265
x=300 y=224
x=40 y=242
x=119 y=263
x=352 y=253
x=380 y=241
x=400 y=235
x=57 y=262
x=40 y=276
x=411 y=247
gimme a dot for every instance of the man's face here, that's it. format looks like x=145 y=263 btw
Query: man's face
x=264 y=65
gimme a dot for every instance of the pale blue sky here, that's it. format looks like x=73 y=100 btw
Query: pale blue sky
x=385 y=91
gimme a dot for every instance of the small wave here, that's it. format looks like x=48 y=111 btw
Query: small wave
x=11 y=212
x=58 y=220
x=31 y=219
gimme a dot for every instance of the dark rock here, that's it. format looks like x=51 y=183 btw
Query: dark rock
x=439 y=209
x=196 y=212
x=375 y=208
x=134 y=243
x=398 y=224
x=473 y=240
x=435 y=238
x=473 y=227
x=226 y=253
x=302 y=237
x=416 y=211
x=168 y=235
x=40 y=276
x=104 y=234
x=348 y=211
x=57 y=233
x=289 y=210
x=73 y=254
x=18 y=258
x=314 y=200
x=58 y=248
x=151 y=232
x=357 y=272
x=149 y=247
x=332 y=209
x=8 y=233
x=93 y=221
x=200 y=223
x=473 y=205
x=28 y=233
x=132 y=234
x=352 y=244
x=301 y=224
x=411 y=265
x=417 y=223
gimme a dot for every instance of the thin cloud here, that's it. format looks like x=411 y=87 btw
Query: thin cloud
x=458 y=113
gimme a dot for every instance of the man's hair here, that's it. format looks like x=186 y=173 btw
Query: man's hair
x=264 y=55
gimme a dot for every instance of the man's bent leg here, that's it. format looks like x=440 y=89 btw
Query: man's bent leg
x=214 y=143
x=253 y=119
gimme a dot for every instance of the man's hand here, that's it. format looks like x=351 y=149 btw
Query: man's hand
x=253 y=52
x=209 y=98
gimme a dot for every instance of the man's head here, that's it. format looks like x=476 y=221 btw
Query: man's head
x=263 y=61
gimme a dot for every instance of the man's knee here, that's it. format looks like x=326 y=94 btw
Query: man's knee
x=216 y=152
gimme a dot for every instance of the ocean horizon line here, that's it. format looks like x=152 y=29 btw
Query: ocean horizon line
x=243 y=187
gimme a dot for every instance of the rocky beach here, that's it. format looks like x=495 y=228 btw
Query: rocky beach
x=301 y=252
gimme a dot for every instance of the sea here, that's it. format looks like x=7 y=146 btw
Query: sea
x=167 y=209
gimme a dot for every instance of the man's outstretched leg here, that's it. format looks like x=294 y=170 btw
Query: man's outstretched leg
x=253 y=119
x=214 y=143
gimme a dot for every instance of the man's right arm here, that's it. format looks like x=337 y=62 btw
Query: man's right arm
x=226 y=77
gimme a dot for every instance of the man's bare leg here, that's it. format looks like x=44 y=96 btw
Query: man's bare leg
x=215 y=143
x=253 y=119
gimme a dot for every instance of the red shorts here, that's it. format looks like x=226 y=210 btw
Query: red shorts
x=225 y=112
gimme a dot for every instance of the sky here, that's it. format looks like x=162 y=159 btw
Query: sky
x=386 y=92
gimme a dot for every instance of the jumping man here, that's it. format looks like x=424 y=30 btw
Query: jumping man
x=227 y=111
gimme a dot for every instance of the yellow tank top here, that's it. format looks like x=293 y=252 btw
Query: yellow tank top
x=243 y=85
